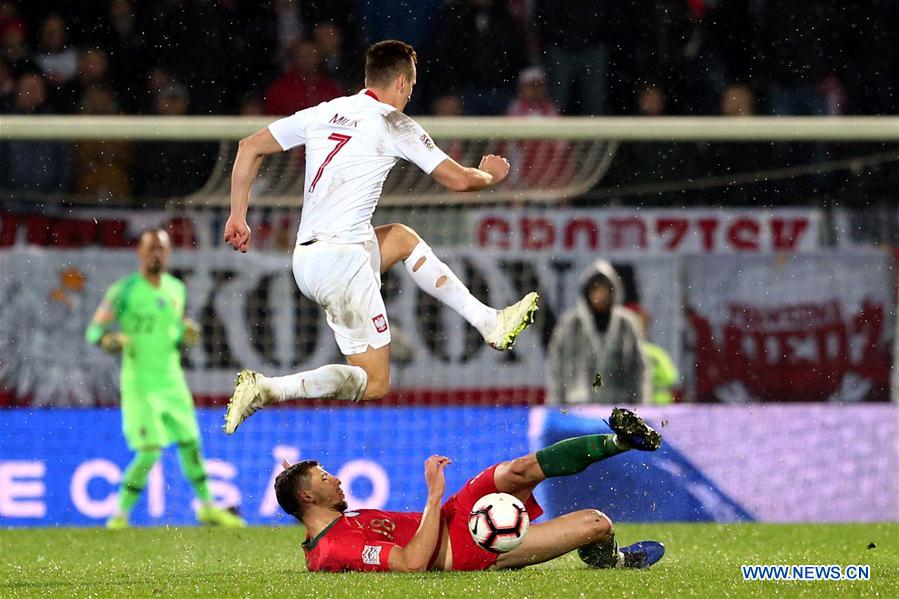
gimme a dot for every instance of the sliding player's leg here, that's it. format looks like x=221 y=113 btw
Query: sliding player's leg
x=500 y=328
x=345 y=280
x=589 y=531
x=549 y=540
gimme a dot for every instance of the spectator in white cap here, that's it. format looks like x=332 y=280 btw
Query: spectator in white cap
x=532 y=98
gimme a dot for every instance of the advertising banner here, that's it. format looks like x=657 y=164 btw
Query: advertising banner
x=772 y=463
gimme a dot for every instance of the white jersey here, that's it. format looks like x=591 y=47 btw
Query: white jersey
x=351 y=143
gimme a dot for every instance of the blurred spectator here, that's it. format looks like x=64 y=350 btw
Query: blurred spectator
x=102 y=168
x=13 y=47
x=288 y=27
x=121 y=36
x=798 y=45
x=197 y=44
x=38 y=166
x=672 y=46
x=484 y=73
x=167 y=169
x=92 y=71
x=450 y=106
x=597 y=339
x=868 y=60
x=157 y=79
x=7 y=87
x=532 y=98
x=741 y=161
x=663 y=373
x=737 y=99
x=344 y=68
x=252 y=105
x=58 y=61
x=638 y=163
x=536 y=162
x=302 y=86
x=576 y=40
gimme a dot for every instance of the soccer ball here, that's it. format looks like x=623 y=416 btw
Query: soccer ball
x=498 y=522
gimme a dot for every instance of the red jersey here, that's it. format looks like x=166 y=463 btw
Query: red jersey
x=360 y=541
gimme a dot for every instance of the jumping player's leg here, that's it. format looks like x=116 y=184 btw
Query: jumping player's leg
x=345 y=281
x=500 y=328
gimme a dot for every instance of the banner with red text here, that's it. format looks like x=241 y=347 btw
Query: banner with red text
x=612 y=232
x=814 y=327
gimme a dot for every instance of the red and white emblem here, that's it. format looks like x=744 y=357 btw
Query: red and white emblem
x=380 y=323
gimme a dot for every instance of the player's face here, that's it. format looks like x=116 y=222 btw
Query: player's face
x=154 y=250
x=325 y=489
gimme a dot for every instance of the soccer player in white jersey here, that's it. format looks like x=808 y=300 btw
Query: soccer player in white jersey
x=351 y=144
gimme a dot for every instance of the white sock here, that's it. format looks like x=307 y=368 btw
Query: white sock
x=333 y=381
x=437 y=280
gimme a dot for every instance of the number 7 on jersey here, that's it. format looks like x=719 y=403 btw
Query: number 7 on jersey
x=341 y=141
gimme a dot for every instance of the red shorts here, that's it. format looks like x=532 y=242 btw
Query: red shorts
x=468 y=555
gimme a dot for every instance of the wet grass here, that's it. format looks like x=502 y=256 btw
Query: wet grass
x=702 y=561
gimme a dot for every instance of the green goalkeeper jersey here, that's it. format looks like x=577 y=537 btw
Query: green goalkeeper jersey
x=153 y=319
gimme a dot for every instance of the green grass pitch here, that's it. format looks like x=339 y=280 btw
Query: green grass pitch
x=703 y=560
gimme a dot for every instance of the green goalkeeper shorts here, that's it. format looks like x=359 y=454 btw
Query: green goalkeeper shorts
x=159 y=418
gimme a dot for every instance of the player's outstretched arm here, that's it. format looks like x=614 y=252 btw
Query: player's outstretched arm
x=98 y=333
x=414 y=557
x=452 y=175
x=250 y=153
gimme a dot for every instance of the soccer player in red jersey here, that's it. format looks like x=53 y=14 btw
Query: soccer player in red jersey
x=438 y=538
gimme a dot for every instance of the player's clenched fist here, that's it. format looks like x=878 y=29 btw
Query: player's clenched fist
x=496 y=166
x=434 y=466
x=237 y=234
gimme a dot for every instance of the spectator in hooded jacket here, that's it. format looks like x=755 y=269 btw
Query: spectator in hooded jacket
x=597 y=341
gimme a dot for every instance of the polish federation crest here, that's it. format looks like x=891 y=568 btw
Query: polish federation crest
x=380 y=323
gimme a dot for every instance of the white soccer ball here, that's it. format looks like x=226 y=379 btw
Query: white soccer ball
x=498 y=522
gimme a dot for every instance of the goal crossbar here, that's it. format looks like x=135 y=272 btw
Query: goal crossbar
x=736 y=129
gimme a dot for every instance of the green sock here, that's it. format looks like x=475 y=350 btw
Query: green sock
x=571 y=456
x=194 y=469
x=135 y=478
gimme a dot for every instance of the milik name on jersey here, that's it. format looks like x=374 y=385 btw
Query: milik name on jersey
x=343 y=121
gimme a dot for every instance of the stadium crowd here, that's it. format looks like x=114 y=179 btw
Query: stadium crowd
x=477 y=57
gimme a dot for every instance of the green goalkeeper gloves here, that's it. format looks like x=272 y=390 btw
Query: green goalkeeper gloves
x=112 y=343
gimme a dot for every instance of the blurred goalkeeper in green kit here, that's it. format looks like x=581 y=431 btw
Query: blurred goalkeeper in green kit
x=157 y=407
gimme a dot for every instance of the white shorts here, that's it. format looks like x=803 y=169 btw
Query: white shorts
x=345 y=280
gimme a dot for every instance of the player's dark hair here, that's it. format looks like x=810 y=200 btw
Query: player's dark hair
x=387 y=60
x=288 y=485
